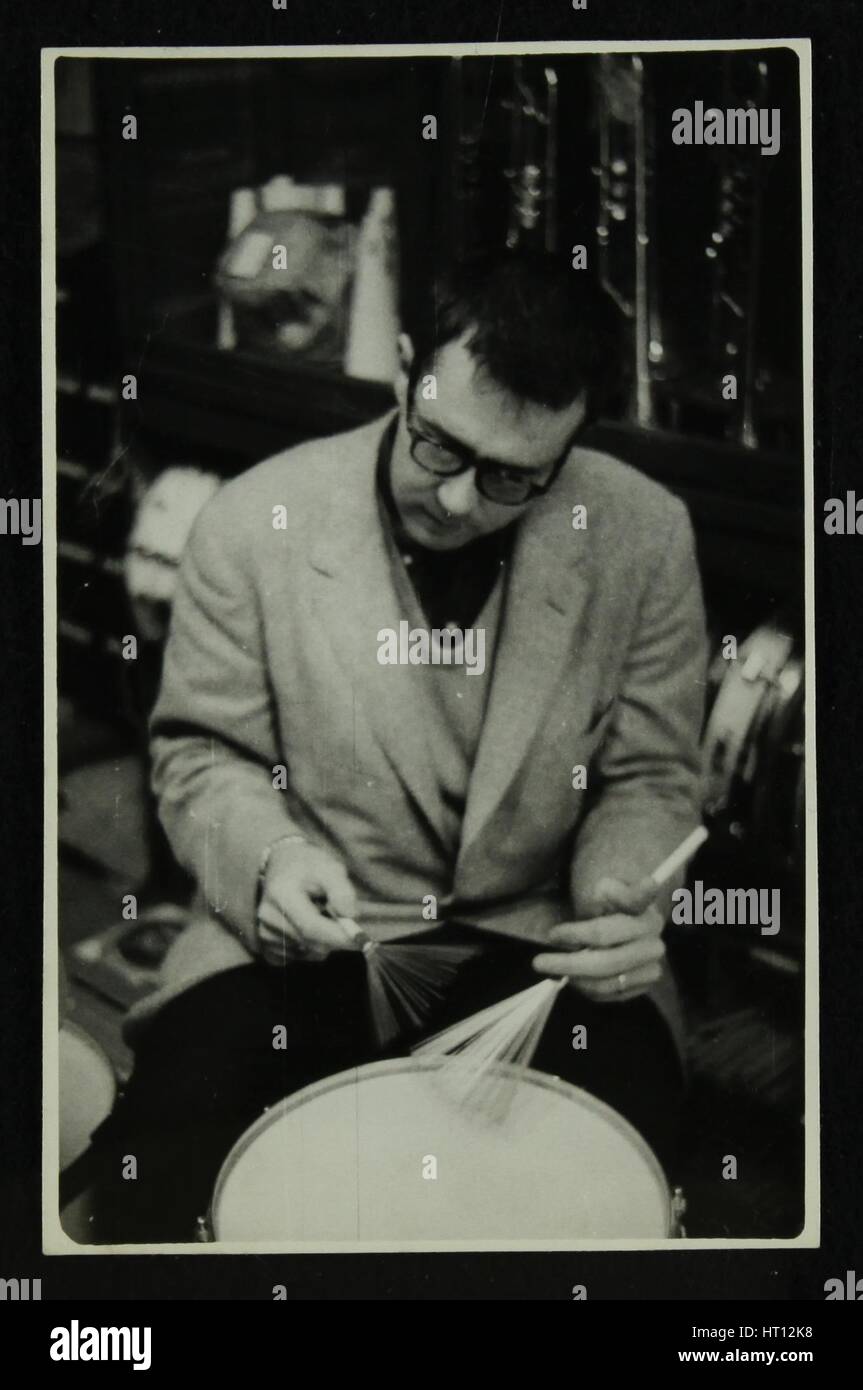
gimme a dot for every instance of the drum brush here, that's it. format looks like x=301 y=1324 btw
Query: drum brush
x=509 y=1032
x=405 y=982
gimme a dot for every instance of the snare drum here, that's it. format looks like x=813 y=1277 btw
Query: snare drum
x=380 y=1153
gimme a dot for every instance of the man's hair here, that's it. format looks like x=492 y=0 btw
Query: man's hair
x=542 y=330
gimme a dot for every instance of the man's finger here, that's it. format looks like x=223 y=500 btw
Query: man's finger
x=591 y=964
x=280 y=941
x=606 y=931
x=616 y=896
x=635 y=982
x=311 y=924
x=331 y=883
x=280 y=948
x=273 y=925
x=342 y=897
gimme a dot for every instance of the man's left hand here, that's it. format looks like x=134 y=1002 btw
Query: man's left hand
x=616 y=952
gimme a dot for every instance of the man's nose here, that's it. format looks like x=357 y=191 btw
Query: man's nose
x=458 y=495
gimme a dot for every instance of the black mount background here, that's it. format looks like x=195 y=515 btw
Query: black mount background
x=834 y=26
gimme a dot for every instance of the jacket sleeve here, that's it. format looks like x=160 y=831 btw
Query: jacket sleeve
x=214 y=739
x=646 y=782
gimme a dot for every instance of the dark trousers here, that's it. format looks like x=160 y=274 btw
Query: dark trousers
x=206 y=1068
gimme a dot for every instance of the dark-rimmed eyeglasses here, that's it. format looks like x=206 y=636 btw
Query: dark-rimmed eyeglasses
x=497 y=482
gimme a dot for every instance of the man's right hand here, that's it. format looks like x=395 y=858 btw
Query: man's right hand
x=304 y=888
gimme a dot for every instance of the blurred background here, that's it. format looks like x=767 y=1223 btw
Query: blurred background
x=184 y=354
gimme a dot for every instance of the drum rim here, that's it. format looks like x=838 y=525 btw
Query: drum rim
x=394 y=1065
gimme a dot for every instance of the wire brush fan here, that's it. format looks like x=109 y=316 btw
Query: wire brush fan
x=405 y=981
x=509 y=1032
x=506 y=1032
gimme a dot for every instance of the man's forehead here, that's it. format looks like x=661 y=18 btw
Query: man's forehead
x=478 y=411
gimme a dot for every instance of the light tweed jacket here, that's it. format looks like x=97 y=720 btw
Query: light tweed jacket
x=271 y=661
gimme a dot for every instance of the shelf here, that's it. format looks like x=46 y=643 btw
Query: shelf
x=230 y=409
x=746 y=505
x=241 y=404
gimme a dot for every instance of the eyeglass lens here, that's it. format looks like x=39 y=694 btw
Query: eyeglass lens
x=496 y=486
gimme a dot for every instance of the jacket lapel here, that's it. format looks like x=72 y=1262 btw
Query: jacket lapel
x=547 y=589
x=354 y=599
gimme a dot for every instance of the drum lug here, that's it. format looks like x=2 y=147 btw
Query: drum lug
x=678 y=1211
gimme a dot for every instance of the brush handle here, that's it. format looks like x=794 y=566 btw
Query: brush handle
x=685 y=850
x=355 y=933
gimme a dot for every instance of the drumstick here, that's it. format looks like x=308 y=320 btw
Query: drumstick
x=669 y=866
x=685 y=850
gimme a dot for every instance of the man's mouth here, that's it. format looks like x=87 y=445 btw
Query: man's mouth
x=444 y=521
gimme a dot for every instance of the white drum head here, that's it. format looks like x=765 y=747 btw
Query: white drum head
x=350 y=1159
x=87 y=1090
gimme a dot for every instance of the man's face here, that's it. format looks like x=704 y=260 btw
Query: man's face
x=473 y=411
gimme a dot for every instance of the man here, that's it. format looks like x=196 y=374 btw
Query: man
x=314 y=759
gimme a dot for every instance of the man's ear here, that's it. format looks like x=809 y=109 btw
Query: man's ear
x=406 y=357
